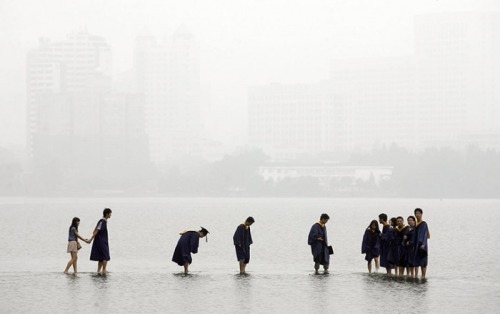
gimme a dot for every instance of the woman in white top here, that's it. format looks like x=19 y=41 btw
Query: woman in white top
x=73 y=237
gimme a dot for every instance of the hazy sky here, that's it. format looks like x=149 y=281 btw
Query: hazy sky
x=242 y=42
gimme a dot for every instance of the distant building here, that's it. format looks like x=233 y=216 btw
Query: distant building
x=77 y=127
x=446 y=94
x=168 y=75
x=286 y=121
x=72 y=65
x=458 y=63
x=328 y=176
x=379 y=94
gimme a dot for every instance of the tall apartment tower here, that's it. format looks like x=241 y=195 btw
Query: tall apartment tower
x=78 y=64
x=168 y=75
x=458 y=63
x=78 y=129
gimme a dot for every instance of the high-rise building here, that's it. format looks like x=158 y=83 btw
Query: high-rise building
x=78 y=129
x=168 y=75
x=379 y=93
x=80 y=63
x=446 y=94
x=458 y=68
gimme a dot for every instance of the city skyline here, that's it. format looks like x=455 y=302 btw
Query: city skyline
x=246 y=25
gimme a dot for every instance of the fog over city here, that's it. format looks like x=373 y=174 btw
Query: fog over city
x=327 y=98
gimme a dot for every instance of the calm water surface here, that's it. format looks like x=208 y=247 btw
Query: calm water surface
x=462 y=275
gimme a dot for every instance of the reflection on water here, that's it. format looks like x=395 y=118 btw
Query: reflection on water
x=393 y=289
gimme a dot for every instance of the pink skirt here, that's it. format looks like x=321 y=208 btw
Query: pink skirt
x=72 y=247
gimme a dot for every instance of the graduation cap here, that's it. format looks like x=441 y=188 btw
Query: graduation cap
x=205 y=231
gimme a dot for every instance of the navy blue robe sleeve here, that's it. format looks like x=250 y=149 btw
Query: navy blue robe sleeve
x=239 y=235
x=365 y=245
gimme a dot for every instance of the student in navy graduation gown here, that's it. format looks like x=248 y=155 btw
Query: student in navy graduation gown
x=187 y=244
x=392 y=257
x=400 y=231
x=242 y=239
x=100 y=247
x=385 y=244
x=318 y=240
x=420 y=239
x=410 y=246
x=371 y=245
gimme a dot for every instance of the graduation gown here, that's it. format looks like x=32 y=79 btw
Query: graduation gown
x=401 y=256
x=420 y=238
x=371 y=244
x=100 y=246
x=319 y=249
x=188 y=243
x=387 y=249
x=410 y=247
x=242 y=240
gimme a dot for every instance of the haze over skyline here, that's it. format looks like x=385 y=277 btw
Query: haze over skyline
x=241 y=44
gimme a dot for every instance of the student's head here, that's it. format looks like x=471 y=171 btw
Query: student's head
x=324 y=218
x=411 y=220
x=382 y=218
x=418 y=213
x=203 y=232
x=394 y=221
x=373 y=225
x=106 y=213
x=249 y=221
x=400 y=221
x=75 y=222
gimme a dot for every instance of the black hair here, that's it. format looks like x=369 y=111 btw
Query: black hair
x=106 y=212
x=377 y=230
x=74 y=223
x=400 y=217
x=250 y=219
x=418 y=210
x=324 y=216
x=383 y=217
x=394 y=221
x=412 y=217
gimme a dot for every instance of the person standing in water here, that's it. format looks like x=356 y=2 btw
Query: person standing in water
x=371 y=245
x=100 y=247
x=410 y=246
x=318 y=240
x=188 y=243
x=420 y=237
x=73 y=248
x=242 y=240
x=386 y=239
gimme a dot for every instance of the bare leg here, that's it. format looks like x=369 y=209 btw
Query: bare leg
x=186 y=266
x=389 y=271
x=242 y=266
x=104 y=264
x=401 y=271
x=316 y=268
x=71 y=262
x=377 y=263
x=99 y=266
x=370 y=267
x=424 y=271
x=75 y=263
x=416 y=272
x=325 y=267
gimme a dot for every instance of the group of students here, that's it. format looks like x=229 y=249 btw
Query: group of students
x=398 y=246
x=188 y=243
